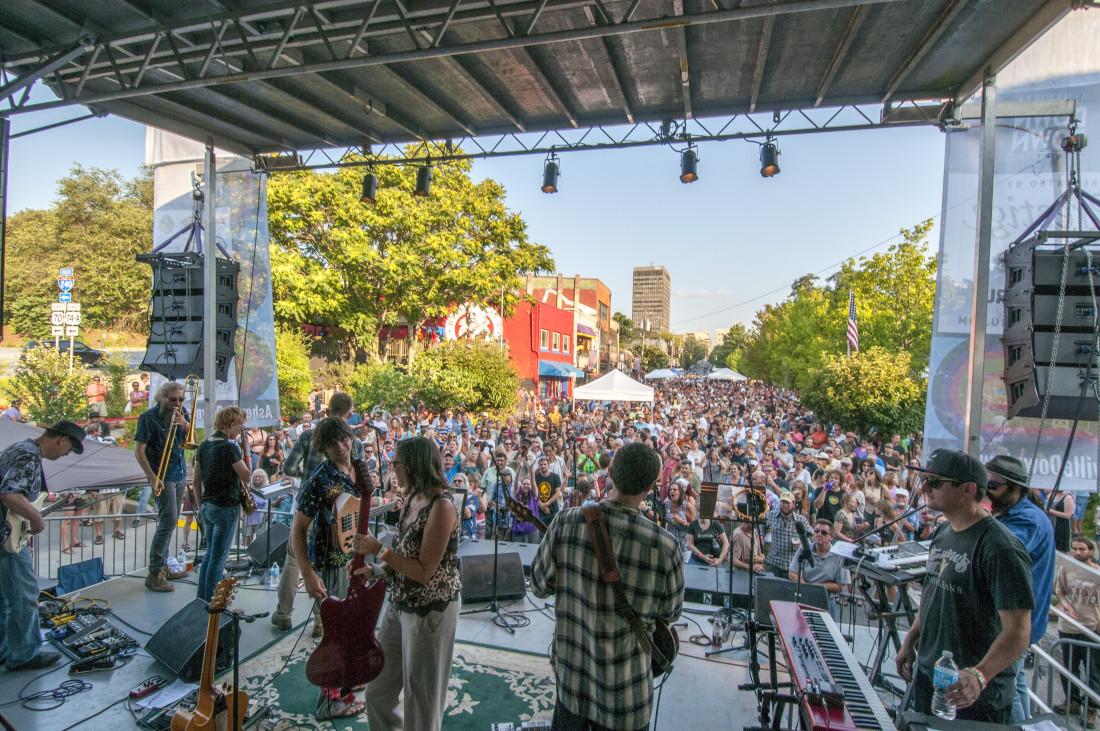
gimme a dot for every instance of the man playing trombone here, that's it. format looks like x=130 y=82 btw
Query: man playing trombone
x=159 y=441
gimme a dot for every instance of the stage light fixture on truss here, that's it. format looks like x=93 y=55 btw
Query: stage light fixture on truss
x=370 y=188
x=689 y=165
x=423 y=181
x=550 y=173
x=769 y=159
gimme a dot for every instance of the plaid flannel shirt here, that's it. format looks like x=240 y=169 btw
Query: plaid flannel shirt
x=602 y=673
x=785 y=539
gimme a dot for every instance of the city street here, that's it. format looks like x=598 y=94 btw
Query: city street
x=9 y=358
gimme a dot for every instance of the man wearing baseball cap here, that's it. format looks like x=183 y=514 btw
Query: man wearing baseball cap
x=21 y=481
x=1013 y=506
x=977 y=598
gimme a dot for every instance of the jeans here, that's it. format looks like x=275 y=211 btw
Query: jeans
x=19 y=636
x=1021 y=702
x=220 y=525
x=144 y=494
x=168 y=511
x=1075 y=658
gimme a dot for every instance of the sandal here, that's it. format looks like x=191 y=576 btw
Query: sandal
x=79 y=544
x=119 y=535
x=186 y=548
x=98 y=540
x=68 y=550
x=335 y=708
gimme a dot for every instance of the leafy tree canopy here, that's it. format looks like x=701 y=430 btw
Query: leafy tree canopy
x=292 y=364
x=626 y=327
x=467 y=373
x=733 y=342
x=48 y=392
x=382 y=384
x=873 y=389
x=694 y=351
x=654 y=358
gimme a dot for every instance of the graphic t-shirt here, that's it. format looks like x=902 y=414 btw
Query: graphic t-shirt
x=834 y=500
x=971 y=576
x=545 y=486
x=708 y=540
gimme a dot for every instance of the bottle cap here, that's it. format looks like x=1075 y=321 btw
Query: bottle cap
x=948 y=653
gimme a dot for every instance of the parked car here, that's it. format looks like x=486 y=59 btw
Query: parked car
x=87 y=355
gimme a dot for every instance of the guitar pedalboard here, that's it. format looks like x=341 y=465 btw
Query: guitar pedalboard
x=91 y=636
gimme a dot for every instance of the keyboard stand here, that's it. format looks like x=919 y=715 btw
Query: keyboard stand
x=888 y=633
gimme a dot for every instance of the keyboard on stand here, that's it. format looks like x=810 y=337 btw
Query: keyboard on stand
x=892 y=565
x=836 y=694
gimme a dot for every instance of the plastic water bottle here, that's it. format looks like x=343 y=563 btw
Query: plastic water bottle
x=181 y=559
x=945 y=674
x=273 y=574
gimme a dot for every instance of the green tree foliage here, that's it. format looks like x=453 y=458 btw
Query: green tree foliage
x=694 y=352
x=338 y=262
x=873 y=389
x=381 y=384
x=733 y=343
x=115 y=368
x=895 y=292
x=466 y=373
x=292 y=364
x=48 y=392
x=626 y=327
x=654 y=358
x=98 y=223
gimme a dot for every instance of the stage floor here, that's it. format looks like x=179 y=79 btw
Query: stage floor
x=701 y=691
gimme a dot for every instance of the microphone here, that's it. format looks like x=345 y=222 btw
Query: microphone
x=807 y=551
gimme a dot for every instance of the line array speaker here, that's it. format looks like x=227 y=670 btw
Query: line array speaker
x=176 y=322
x=1033 y=281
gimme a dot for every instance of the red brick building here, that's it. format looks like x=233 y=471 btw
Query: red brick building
x=592 y=294
x=540 y=345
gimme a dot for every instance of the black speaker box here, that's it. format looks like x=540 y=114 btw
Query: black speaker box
x=774 y=589
x=279 y=535
x=181 y=641
x=477 y=577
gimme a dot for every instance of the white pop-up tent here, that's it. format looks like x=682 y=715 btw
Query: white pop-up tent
x=726 y=374
x=614 y=386
x=660 y=375
x=101 y=465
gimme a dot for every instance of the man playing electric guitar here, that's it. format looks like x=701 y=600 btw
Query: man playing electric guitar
x=592 y=684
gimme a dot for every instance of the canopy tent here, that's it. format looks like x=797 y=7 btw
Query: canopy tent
x=557 y=369
x=660 y=375
x=101 y=465
x=726 y=374
x=614 y=386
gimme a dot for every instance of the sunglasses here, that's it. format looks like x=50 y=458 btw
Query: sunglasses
x=937 y=482
x=822 y=531
x=995 y=485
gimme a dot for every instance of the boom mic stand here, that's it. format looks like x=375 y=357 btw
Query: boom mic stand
x=754 y=516
x=494 y=606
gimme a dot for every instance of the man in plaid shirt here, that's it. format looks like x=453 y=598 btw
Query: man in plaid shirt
x=784 y=535
x=603 y=676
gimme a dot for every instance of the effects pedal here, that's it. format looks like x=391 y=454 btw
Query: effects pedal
x=146 y=688
x=80 y=628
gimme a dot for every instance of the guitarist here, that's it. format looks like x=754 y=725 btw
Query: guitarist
x=604 y=679
x=21 y=481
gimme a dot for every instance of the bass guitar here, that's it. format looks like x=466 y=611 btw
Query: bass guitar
x=16 y=529
x=346 y=513
x=349 y=654
x=213 y=702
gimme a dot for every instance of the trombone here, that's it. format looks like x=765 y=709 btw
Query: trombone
x=191 y=381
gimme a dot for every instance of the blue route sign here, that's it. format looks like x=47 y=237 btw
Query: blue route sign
x=65 y=297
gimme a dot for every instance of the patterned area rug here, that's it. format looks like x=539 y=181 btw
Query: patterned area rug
x=487 y=686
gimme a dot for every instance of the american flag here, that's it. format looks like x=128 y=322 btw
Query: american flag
x=853 y=322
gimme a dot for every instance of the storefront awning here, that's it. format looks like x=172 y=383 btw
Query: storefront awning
x=586 y=331
x=556 y=369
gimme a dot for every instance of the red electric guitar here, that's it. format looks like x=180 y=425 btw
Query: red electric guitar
x=350 y=654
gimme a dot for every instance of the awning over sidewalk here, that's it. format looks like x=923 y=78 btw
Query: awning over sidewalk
x=585 y=330
x=557 y=369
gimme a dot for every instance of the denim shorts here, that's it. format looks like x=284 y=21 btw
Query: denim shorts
x=1080 y=503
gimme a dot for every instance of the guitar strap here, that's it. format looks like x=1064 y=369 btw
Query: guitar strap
x=609 y=574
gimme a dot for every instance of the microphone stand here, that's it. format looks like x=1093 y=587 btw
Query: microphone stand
x=499 y=508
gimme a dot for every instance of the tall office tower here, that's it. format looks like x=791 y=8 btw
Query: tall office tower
x=652 y=298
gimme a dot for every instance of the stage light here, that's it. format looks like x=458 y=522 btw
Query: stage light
x=370 y=188
x=689 y=161
x=423 y=182
x=550 y=175
x=769 y=159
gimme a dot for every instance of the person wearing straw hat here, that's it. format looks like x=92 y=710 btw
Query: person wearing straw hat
x=21 y=482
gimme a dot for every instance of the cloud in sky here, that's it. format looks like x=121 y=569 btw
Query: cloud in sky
x=702 y=293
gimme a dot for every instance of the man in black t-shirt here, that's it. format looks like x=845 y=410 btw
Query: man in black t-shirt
x=977 y=598
x=548 y=487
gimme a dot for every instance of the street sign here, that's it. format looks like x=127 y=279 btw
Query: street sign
x=65 y=272
x=72 y=318
x=71 y=331
x=57 y=307
x=57 y=318
x=57 y=330
x=65 y=297
x=72 y=307
x=65 y=283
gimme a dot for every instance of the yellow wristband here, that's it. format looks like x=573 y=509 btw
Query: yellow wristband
x=977 y=674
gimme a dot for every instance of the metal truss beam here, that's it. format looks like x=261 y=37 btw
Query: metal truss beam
x=696 y=130
x=418 y=54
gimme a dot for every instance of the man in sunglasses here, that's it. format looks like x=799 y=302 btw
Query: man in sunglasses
x=977 y=597
x=1016 y=508
x=828 y=568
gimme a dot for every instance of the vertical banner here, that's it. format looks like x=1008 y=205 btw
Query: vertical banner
x=241 y=230
x=1029 y=175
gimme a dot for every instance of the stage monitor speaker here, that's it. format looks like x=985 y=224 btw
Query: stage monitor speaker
x=477 y=577
x=1033 y=293
x=772 y=589
x=176 y=319
x=279 y=535
x=181 y=641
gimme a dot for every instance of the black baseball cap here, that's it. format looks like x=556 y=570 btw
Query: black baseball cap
x=70 y=430
x=957 y=466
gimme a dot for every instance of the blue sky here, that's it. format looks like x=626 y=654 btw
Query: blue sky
x=732 y=241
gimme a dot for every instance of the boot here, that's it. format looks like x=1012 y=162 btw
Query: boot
x=159 y=581
x=1090 y=719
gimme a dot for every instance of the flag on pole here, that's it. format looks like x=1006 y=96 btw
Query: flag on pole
x=853 y=323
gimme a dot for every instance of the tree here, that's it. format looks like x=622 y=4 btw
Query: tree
x=381 y=384
x=292 y=365
x=115 y=369
x=694 y=352
x=97 y=224
x=733 y=342
x=626 y=327
x=654 y=359
x=48 y=392
x=400 y=261
x=873 y=389
x=467 y=373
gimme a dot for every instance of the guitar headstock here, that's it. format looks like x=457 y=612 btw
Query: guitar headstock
x=223 y=594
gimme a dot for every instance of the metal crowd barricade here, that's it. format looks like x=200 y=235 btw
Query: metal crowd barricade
x=1048 y=665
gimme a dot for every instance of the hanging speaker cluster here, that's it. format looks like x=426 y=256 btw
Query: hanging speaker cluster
x=1033 y=291
x=176 y=315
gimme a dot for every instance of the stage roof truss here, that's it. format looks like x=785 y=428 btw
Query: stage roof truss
x=260 y=76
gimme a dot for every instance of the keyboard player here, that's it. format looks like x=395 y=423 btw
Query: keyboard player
x=977 y=597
